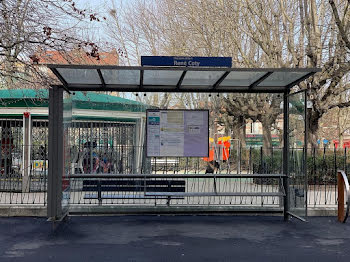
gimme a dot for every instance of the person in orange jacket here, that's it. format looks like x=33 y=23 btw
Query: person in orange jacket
x=213 y=164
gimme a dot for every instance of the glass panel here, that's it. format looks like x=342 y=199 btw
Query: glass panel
x=241 y=78
x=161 y=77
x=121 y=77
x=80 y=76
x=202 y=78
x=67 y=125
x=297 y=154
x=282 y=78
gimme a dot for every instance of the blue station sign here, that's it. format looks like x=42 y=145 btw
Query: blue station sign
x=191 y=61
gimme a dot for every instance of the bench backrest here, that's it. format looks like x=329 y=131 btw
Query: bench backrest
x=134 y=185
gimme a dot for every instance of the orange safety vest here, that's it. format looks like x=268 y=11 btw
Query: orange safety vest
x=225 y=152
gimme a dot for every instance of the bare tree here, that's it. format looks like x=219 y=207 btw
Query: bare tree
x=343 y=23
x=214 y=32
x=255 y=33
x=29 y=26
x=262 y=108
x=135 y=27
x=302 y=33
x=192 y=28
x=343 y=124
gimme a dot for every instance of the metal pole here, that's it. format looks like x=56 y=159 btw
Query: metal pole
x=345 y=160
x=54 y=189
x=91 y=148
x=141 y=145
x=306 y=181
x=286 y=155
x=26 y=152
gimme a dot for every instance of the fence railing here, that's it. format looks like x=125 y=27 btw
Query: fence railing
x=109 y=148
x=322 y=165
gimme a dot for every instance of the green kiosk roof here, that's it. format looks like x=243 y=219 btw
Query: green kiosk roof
x=87 y=100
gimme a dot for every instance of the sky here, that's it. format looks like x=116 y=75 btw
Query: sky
x=101 y=3
x=101 y=8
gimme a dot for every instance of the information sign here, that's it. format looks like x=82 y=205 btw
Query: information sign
x=177 y=133
x=191 y=61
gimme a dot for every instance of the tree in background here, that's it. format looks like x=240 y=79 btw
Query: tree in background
x=343 y=23
x=31 y=26
x=299 y=33
x=255 y=33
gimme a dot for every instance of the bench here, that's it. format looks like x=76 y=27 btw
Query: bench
x=132 y=185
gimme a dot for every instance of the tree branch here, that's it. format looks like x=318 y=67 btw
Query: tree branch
x=340 y=26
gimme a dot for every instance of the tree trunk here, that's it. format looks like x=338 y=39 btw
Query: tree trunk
x=239 y=133
x=242 y=131
x=238 y=130
x=313 y=124
x=267 y=139
x=341 y=140
x=242 y=137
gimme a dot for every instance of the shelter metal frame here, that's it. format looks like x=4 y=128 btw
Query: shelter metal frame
x=264 y=80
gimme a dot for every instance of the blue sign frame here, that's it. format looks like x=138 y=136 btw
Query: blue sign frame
x=187 y=61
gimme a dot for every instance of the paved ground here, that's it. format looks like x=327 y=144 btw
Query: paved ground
x=175 y=238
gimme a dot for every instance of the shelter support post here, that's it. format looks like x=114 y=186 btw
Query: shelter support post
x=286 y=155
x=306 y=124
x=136 y=146
x=139 y=134
x=27 y=137
x=54 y=189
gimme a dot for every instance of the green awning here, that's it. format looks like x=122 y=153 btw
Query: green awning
x=87 y=100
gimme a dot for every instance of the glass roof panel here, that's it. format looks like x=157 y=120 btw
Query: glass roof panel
x=121 y=77
x=240 y=78
x=161 y=77
x=201 y=78
x=282 y=78
x=80 y=76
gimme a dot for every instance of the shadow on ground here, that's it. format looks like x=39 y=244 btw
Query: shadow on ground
x=175 y=238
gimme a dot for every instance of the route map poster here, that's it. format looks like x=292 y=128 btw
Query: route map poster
x=177 y=133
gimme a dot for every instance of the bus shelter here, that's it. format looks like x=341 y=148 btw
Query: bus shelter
x=292 y=181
